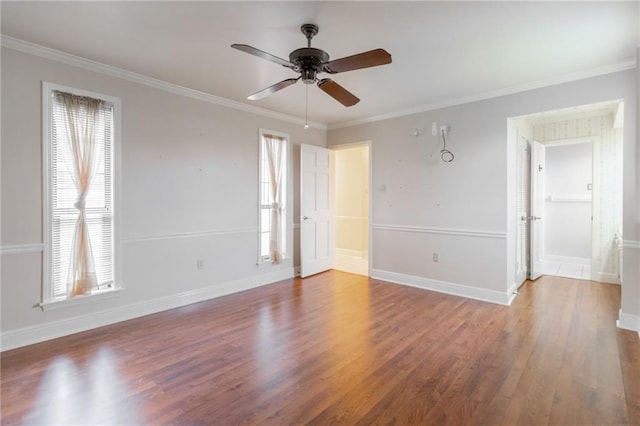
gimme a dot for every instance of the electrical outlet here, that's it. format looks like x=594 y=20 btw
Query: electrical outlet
x=436 y=257
x=200 y=264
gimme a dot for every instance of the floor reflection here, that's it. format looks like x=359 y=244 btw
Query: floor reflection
x=350 y=322
x=70 y=394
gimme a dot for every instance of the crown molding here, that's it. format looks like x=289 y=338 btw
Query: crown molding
x=77 y=61
x=594 y=72
x=87 y=64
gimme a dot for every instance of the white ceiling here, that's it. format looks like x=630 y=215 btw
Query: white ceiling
x=443 y=52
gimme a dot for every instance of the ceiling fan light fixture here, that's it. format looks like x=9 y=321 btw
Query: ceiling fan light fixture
x=308 y=76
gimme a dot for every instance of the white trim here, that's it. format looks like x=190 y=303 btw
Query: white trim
x=460 y=290
x=605 y=277
x=608 y=69
x=80 y=300
x=513 y=292
x=28 y=335
x=595 y=139
x=443 y=231
x=77 y=61
x=349 y=252
x=631 y=244
x=628 y=322
x=200 y=234
x=14 y=249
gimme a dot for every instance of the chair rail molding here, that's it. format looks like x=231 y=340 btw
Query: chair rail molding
x=13 y=249
x=443 y=231
x=200 y=234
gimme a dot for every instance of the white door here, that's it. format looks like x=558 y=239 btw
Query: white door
x=522 y=208
x=536 y=227
x=316 y=221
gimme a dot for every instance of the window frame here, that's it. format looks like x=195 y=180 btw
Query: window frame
x=287 y=208
x=47 y=300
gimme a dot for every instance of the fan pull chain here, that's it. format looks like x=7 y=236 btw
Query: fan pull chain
x=306 y=110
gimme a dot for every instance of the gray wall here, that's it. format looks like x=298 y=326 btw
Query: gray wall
x=465 y=210
x=189 y=190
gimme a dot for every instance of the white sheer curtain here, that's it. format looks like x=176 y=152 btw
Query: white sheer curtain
x=274 y=148
x=82 y=115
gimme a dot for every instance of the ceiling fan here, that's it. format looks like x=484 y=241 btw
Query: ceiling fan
x=309 y=62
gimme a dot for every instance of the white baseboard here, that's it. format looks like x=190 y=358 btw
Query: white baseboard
x=484 y=295
x=28 y=335
x=628 y=322
x=349 y=252
x=605 y=277
x=512 y=292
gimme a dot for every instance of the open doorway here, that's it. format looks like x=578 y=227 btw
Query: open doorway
x=351 y=207
x=568 y=206
x=569 y=192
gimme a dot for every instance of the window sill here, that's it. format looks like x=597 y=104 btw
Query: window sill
x=267 y=262
x=81 y=300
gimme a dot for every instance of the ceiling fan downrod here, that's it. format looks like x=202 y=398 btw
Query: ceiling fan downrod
x=308 y=60
x=309 y=30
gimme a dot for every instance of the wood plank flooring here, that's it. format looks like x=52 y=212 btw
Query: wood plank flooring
x=339 y=348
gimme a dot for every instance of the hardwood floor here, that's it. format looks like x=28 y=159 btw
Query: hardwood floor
x=339 y=348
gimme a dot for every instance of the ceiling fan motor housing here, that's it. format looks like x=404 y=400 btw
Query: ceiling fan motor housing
x=308 y=61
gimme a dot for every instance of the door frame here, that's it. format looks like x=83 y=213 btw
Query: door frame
x=512 y=171
x=369 y=145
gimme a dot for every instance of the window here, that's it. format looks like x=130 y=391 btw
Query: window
x=273 y=196
x=79 y=148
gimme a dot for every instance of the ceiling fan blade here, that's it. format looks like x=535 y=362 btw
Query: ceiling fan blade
x=272 y=89
x=372 y=58
x=261 y=54
x=338 y=92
